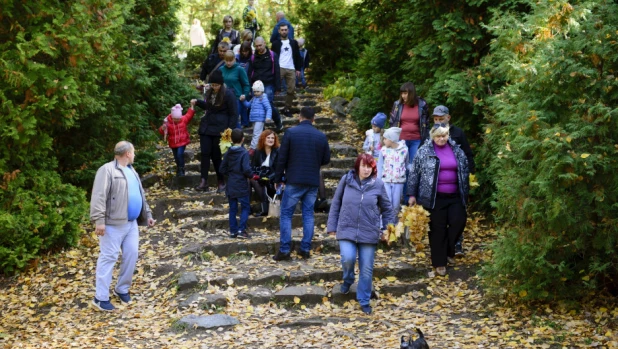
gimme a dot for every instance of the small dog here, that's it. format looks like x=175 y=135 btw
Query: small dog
x=419 y=343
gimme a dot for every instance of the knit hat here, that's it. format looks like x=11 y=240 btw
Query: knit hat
x=177 y=111
x=392 y=134
x=258 y=86
x=216 y=77
x=379 y=120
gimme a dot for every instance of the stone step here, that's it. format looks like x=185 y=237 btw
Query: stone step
x=268 y=223
x=192 y=179
x=313 y=280
x=298 y=103
x=248 y=131
x=345 y=163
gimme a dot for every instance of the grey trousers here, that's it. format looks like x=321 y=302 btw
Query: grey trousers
x=117 y=238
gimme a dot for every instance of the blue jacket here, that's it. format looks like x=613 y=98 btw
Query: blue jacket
x=423 y=178
x=355 y=210
x=236 y=167
x=260 y=109
x=303 y=151
x=275 y=35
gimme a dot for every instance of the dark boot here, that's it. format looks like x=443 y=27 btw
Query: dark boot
x=221 y=187
x=180 y=171
x=203 y=185
x=264 y=212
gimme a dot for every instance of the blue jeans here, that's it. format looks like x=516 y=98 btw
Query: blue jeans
x=245 y=209
x=244 y=112
x=179 y=155
x=270 y=93
x=293 y=193
x=300 y=81
x=366 y=255
x=412 y=149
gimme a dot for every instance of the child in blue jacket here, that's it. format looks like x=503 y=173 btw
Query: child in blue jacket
x=260 y=112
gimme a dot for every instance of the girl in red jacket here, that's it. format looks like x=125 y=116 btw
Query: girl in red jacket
x=174 y=128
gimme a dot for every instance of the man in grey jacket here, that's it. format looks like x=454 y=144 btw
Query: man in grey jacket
x=118 y=205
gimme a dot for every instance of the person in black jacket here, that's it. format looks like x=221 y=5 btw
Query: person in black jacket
x=303 y=151
x=214 y=61
x=264 y=66
x=221 y=113
x=263 y=164
x=441 y=115
x=235 y=166
x=290 y=63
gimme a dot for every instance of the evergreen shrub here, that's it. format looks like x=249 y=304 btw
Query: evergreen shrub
x=552 y=133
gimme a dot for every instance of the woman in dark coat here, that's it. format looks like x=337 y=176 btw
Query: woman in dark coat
x=354 y=217
x=221 y=113
x=263 y=165
x=439 y=181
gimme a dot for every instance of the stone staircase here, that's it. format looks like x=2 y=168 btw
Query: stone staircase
x=218 y=272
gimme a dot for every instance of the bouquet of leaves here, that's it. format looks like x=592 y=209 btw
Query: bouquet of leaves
x=226 y=140
x=416 y=220
x=250 y=16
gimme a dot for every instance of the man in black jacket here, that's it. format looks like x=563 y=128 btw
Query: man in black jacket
x=264 y=66
x=290 y=63
x=303 y=151
x=214 y=60
x=441 y=116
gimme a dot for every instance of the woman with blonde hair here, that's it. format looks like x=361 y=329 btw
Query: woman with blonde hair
x=439 y=182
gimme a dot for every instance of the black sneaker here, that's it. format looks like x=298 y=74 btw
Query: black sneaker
x=243 y=235
x=281 y=256
x=304 y=254
x=233 y=235
x=459 y=250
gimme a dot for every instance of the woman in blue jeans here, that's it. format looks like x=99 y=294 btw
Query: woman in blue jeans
x=354 y=217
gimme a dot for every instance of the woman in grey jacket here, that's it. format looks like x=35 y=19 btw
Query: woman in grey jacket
x=439 y=182
x=354 y=216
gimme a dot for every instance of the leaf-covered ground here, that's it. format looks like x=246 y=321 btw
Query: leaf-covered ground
x=48 y=306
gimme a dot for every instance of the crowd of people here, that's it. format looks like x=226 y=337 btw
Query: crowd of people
x=411 y=162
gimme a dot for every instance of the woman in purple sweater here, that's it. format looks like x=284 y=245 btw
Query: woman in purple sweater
x=439 y=182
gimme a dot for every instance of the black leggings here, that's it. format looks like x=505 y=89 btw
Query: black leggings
x=210 y=150
x=447 y=223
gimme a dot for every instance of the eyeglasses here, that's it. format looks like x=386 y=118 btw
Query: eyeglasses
x=440 y=125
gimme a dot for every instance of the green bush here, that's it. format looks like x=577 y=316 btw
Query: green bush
x=79 y=76
x=39 y=213
x=333 y=37
x=552 y=132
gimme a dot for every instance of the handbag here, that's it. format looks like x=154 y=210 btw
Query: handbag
x=274 y=206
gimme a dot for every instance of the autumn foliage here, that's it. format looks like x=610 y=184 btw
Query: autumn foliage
x=78 y=76
x=533 y=84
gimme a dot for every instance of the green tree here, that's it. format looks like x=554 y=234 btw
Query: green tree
x=78 y=77
x=552 y=133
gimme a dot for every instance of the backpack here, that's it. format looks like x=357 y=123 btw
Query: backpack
x=272 y=59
